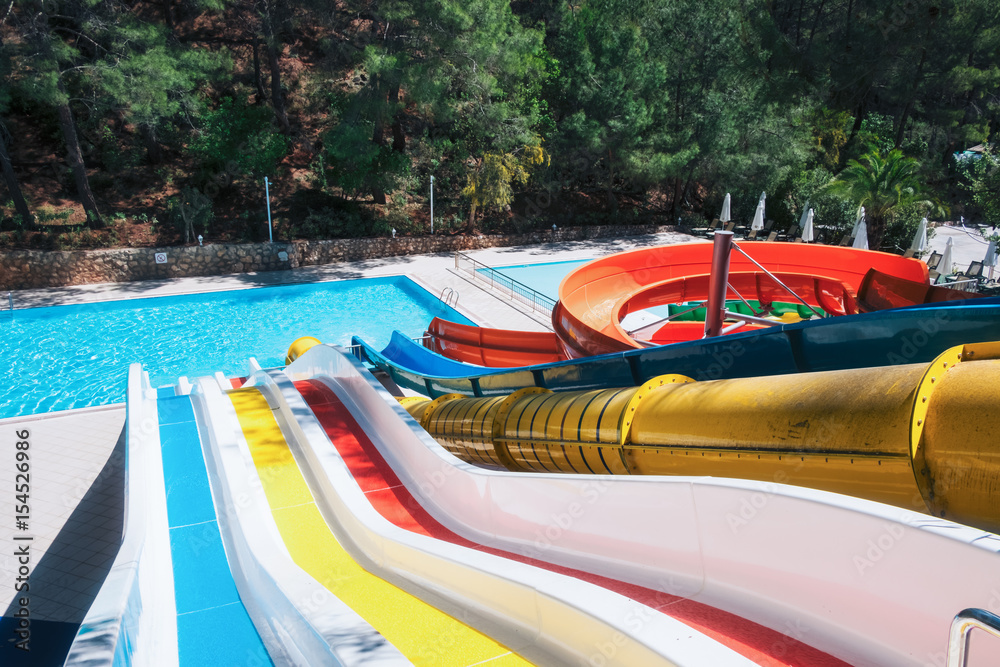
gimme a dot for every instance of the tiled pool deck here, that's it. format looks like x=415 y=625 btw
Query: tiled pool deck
x=77 y=456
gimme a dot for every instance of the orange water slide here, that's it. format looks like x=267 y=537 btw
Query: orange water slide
x=595 y=297
x=496 y=348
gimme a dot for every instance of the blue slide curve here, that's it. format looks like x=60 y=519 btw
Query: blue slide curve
x=885 y=338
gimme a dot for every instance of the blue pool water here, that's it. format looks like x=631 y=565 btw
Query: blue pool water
x=67 y=357
x=543 y=278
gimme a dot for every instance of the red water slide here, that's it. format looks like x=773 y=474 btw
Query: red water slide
x=595 y=297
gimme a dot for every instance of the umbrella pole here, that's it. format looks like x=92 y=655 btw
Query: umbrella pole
x=717 y=283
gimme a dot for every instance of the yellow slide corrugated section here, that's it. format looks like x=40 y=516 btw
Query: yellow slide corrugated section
x=425 y=635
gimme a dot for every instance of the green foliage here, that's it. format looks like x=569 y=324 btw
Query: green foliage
x=661 y=106
x=982 y=182
x=191 y=212
x=238 y=141
x=490 y=185
x=877 y=133
x=356 y=164
x=882 y=183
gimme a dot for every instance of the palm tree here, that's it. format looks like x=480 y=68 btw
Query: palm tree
x=881 y=184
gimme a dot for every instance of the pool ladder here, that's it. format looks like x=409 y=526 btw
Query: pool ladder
x=958 y=639
x=10 y=300
x=449 y=296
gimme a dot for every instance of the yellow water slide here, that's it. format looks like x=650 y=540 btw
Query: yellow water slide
x=919 y=436
x=414 y=627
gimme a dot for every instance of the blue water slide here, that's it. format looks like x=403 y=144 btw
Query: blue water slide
x=213 y=626
x=884 y=338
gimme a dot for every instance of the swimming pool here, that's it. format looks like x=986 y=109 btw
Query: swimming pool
x=543 y=278
x=77 y=356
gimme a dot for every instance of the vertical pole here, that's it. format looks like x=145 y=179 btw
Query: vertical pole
x=718 y=282
x=267 y=197
x=432 y=205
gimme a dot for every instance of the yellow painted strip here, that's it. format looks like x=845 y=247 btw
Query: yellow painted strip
x=425 y=635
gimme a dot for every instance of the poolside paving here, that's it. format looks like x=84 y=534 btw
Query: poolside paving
x=75 y=495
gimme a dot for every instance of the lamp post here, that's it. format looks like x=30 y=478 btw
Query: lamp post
x=267 y=198
x=432 y=205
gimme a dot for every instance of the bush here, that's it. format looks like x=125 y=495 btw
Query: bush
x=237 y=141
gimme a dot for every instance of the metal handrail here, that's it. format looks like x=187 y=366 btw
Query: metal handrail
x=519 y=291
x=775 y=279
x=452 y=294
x=964 y=622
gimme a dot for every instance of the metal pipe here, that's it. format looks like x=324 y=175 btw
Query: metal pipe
x=775 y=279
x=752 y=310
x=267 y=198
x=961 y=626
x=749 y=318
x=717 y=283
x=733 y=327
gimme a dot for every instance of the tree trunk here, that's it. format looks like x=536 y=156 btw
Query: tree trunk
x=859 y=118
x=378 y=138
x=273 y=51
x=398 y=136
x=10 y=178
x=168 y=14
x=876 y=232
x=258 y=80
x=75 y=158
x=905 y=115
x=153 y=149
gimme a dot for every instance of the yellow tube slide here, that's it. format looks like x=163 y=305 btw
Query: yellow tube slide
x=923 y=437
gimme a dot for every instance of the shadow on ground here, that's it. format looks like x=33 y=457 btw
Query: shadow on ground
x=62 y=585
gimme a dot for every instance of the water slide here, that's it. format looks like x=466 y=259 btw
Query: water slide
x=887 y=338
x=910 y=435
x=352 y=537
x=709 y=552
x=596 y=296
x=334 y=563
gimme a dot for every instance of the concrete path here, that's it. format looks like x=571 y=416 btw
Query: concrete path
x=968 y=245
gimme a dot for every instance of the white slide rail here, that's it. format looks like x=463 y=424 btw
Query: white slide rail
x=300 y=621
x=869 y=583
x=544 y=616
x=133 y=620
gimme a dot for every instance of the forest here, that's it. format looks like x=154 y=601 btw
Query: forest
x=141 y=122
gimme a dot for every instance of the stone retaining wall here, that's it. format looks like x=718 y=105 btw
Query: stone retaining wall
x=27 y=269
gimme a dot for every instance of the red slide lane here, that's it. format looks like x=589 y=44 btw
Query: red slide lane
x=392 y=500
x=496 y=348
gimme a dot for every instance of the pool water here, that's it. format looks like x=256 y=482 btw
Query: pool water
x=543 y=278
x=66 y=357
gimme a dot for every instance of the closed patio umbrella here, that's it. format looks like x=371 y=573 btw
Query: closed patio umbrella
x=991 y=257
x=920 y=238
x=857 y=225
x=861 y=238
x=807 y=229
x=944 y=266
x=805 y=215
x=758 y=216
x=726 y=214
